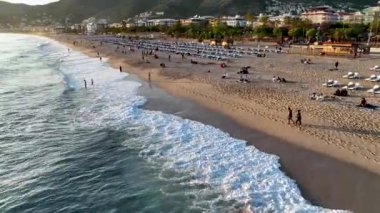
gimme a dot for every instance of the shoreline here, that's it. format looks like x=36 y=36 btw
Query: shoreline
x=316 y=175
x=179 y=87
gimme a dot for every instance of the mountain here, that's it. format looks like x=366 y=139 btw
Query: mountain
x=116 y=10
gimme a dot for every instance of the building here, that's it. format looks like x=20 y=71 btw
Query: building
x=371 y=13
x=76 y=27
x=116 y=25
x=160 y=22
x=351 y=18
x=93 y=26
x=333 y=48
x=321 y=14
x=197 y=20
x=101 y=25
x=235 y=21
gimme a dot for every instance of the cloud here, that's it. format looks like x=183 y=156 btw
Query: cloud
x=31 y=2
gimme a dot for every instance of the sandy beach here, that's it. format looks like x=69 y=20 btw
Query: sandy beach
x=335 y=129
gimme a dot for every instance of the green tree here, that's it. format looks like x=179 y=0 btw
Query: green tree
x=220 y=30
x=277 y=32
x=287 y=20
x=264 y=20
x=338 y=34
x=296 y=32
x=263 y=31
x=249 y=17
x=311 y=33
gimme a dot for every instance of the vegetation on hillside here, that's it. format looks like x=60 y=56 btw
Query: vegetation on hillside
x=116 y=10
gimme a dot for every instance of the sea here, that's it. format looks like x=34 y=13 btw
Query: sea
x=67 y=148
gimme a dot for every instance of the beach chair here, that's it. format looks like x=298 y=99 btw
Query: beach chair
x=375 y=90
x=350 y=85
x=349 y=75
x=357 y=86
x=371 y=78
x=356 y=76
x=375 y=68
x=329 y=83
x=376 y=79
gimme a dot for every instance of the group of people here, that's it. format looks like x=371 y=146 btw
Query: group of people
x=298 y=121
x=316 y=97
x=85 y=83
x=278 y=79
x=342 y=92
x=306 y=61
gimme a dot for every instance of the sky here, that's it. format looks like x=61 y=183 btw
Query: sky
x=31 y=2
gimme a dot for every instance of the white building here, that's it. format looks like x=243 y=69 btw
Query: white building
x=92 y=26
x=160 y=22
x=116 y=25
x=236 y=21
x=197 y=20
x=76 y=27
x=371 y=13
x=321 y=14
x=351 y=18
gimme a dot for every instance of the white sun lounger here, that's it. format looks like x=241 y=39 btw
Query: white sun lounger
x=353 y=86
x=331 y=83
x=375 y=89
x=373 y=78
x=350 y=74
x=375 y=68
x=356 y=76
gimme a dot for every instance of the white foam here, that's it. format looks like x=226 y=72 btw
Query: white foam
x=206 y=154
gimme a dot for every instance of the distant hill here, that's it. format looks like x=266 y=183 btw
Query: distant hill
x=115 y=10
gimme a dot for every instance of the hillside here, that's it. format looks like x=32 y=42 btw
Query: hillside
x=115 y=10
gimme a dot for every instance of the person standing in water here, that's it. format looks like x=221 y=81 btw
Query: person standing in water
x=92 y=82
x=85 y=83
x=121 y=69
x=299 y=118
x=100 y=58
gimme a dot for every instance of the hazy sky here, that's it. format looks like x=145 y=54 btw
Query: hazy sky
x=31 y=2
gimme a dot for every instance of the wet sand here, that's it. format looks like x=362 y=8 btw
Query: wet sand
x=323 y=180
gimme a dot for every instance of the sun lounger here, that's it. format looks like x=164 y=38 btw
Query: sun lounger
x=357 y=86
x=375 y=68
x=373 y=78
x=331 y=83
x=356 y=76
x=375 y=90
x=350 y=74
x=353 y=86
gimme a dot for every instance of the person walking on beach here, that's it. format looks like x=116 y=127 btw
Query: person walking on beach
x=336 y=65
x=290 y=115
x=170 y=57
x=299 y=118
x=149 y=76
x=121 y=69
x=85 y=83
x=92 y=82
x=100 y=58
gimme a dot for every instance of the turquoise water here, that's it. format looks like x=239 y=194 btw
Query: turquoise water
x=66 y=148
